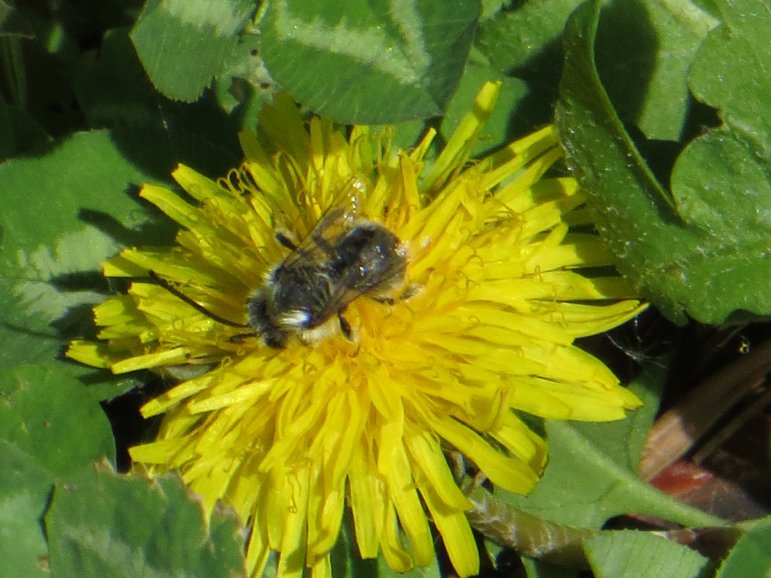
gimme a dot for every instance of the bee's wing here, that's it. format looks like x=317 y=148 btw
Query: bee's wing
x=346 y=290
x=318 y=245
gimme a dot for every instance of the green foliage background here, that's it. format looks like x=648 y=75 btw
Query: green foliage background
x=665 y=113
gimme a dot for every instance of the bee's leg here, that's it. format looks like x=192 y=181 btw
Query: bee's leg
x=462 y=468
x=457 y=463
x=477 y=481
x=275 y=339
x=261 y=321
x=383 y=300
x=409 y=292
x=285 y=241
x=386 y=300
x=241 y=337
x=345 y=327
x=257 y=309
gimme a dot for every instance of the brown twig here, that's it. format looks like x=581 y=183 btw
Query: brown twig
x=676 y=431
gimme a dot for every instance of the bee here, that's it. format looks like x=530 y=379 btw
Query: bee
x=342 y=258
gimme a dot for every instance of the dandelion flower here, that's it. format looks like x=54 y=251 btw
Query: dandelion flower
x=502 y=274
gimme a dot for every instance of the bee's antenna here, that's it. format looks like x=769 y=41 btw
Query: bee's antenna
x=345 y=327
x=197 y=306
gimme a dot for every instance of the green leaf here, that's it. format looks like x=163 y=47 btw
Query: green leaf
x=537 y=569
x=752 y=554
x=728 y=72
x=35 y=82
x=716 y=180
x=722 y=181
x=24 y=489
x=54 y=419
x=152 y=132
x=101 y=524
x=21 y=132
x=644 y=51
x=46 y=241
x=183 y=44
x=63 y=214
x=13 y=23
x=244 y=83
x=525 y=41
x=600 y=461
x=369 y=61
x=50 y=426
x=675 y=260
x=629 y=554
x=527 y=37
